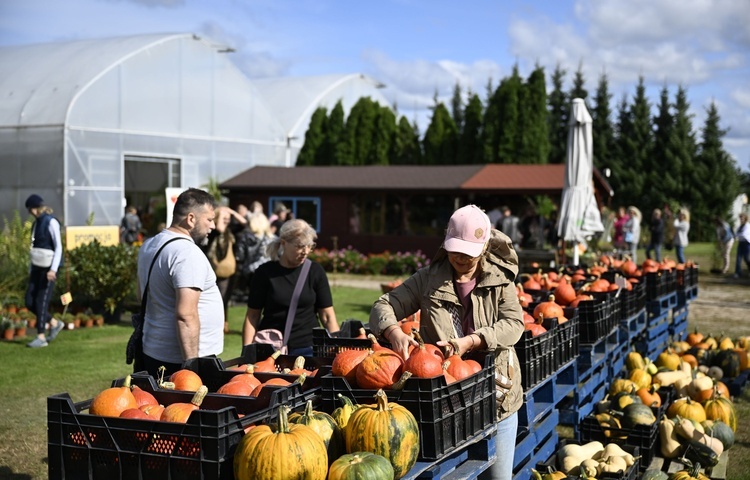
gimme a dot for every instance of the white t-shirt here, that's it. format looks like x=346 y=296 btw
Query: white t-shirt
x=180 y=265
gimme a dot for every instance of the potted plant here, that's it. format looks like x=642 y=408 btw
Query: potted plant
x=19 y=325
x=98 y=319
x=71 y=321
x=7 y=327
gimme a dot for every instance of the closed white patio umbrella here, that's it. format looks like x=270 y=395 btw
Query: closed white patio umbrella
x=579 y=216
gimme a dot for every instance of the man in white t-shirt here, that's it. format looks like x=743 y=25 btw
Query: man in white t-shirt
x=184 y=315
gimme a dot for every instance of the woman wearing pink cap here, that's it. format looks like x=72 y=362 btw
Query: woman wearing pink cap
x=467 y=301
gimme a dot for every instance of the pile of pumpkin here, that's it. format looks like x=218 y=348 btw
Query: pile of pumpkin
x=380 y=367
x=699 y=425
x=588 y=461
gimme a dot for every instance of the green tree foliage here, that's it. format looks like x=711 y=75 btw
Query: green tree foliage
x=559 y=111
x=457 y=107
x=491 y=126
x=636 y=145
x=669 y=185
x=360 y=131
x=579 y=88
x=335 y=150
x=534 y=143
x=383 y=136
x=716 y=178
x=681 y=149
x=470 y=146
x=406 y=146
x=440 y=139
x=602 y=129
x=509 y=97
x=315 y=138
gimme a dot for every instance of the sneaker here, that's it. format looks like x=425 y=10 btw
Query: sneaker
x=736 y=275
x=53 y=331
x=37 y=343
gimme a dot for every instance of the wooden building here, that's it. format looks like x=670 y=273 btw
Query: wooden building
x=395 y=208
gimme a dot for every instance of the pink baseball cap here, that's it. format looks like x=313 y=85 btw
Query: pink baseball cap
x=468 y=230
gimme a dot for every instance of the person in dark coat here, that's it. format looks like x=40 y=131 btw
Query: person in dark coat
x=656 y=227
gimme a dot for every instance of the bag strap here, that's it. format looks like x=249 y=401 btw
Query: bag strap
x=295 y=299
x=144 y=300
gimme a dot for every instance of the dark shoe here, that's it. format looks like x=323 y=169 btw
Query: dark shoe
x=37 y=343
x=53 y=331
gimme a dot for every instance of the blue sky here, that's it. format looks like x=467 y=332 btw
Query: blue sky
x=419 y=47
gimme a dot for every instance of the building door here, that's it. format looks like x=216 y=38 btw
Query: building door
x=145 y=181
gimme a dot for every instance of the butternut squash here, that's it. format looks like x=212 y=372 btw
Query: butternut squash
x=687 y=430
x=613 y=464
x=670 y=444
x=669 y=378
x=614 y=450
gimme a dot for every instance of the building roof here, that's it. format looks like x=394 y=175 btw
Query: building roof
x=506 y=178
x=371 y=177
x=39 y=82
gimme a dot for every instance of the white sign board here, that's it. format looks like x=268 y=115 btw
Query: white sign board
x=172 y=194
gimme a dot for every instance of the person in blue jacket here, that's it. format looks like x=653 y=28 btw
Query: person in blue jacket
x=46 y=260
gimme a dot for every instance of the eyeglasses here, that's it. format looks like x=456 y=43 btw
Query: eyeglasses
x=310 y=246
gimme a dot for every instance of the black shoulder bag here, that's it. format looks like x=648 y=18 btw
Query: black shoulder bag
x=134 y=350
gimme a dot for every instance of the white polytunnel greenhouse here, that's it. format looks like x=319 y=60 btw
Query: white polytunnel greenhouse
x=92 y=125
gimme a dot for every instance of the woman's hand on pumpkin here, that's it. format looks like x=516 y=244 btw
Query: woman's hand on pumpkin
x=457 y=346
x=400 y=342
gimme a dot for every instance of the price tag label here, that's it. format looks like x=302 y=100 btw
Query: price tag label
x=66 y=298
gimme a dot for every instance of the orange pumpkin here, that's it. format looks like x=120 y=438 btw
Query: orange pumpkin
x=550 y=309
x=424 y=362
x=687 y=408
x=113 y=401
x=380 y=369
x=649 y=396
x=345 y=364
x=180 y=412
x=186 y=380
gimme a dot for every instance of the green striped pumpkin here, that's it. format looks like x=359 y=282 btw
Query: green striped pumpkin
x=360 y=466
x=325 y=426
x=386 y=429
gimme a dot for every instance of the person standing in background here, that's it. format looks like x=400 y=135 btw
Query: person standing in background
x=620 y=220
x=681 y=228
x=743 y=245
x=725 y=236
x=656 y=228
x=46 y=260
x=220 y=253
x=632 y=232
x=250 y=249
x=184 y=313
x=130 y=226
x=509 y=226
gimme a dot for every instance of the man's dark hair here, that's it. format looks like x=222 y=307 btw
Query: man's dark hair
x=191 y=200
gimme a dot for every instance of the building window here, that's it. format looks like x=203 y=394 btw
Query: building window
x=305 y=208
x=388 y=214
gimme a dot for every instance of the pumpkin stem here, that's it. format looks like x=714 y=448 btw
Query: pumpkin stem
x=346 y=400
x=373 y=339
x=286 y=371
x=383 y=400
x=399 y=385
x=127 y=381
x=301 y=379
x=418 y=337
x=299 y=362
x=199 y=396
x=250 y=368
x=284 y=419
x=309 y=408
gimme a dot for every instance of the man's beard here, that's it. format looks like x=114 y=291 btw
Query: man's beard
x=200 y=240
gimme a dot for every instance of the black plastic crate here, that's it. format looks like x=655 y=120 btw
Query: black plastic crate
x=448 y=416
x=536 y=356
x=612 y=313
x=655 y=285
x=642 y=436
x=592 y=319
x=631 y=474
x=633 y=301
x=566 y=338
x=326 y=346
x=81 y=445
x=215 y=372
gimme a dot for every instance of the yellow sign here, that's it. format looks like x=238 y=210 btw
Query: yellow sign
x=76 y=236
x=66 y=298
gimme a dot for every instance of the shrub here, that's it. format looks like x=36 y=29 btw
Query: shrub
x=14 y=258
x=349 y=260
x=102 y=277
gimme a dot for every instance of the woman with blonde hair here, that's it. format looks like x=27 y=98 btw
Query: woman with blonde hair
x=274 y=285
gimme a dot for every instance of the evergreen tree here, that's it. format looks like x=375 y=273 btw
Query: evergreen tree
x=360 y=128
x=602 y=128
x=621 y=171
x=682 y=148
x=440 y=138
x=457 y=107
x=559 y=112
x=716 y=178
x=533 y=133
x=664 y=169
x=315 y=137
x=406 y=148
x=509 y=92
x=383 y=136
x=491 y=126
x=335 y=149
x=636 y=143
x=470 y=146
x=579 y=88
